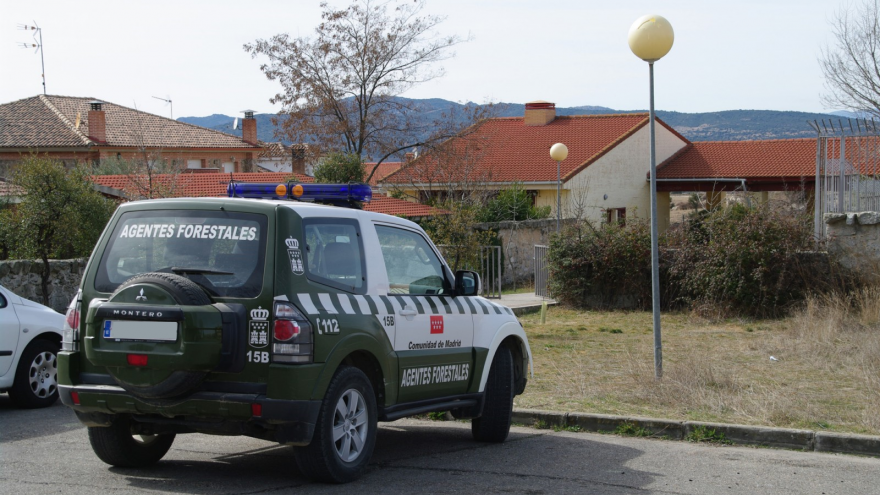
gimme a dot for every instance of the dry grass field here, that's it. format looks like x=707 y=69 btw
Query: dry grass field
x=826 y=372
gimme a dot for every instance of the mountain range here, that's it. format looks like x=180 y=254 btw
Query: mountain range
x=728 y=125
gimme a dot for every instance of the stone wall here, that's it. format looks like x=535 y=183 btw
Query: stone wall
x=855 y=239
x=518 y=241
x=23 y=278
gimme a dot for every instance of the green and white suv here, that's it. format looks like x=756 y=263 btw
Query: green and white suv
x=281 y=319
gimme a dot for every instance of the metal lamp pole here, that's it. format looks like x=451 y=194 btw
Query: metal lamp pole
x=650 y=38
x=558 y=153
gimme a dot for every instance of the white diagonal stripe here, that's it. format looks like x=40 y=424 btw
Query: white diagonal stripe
x=453 y=309
x=427 y=307
x=363 y=305
x=307 y=304
x=395 y=304
x=346 y=304
x=440 y=309
x=380 y=305
x=409 y=302
x=327 y=303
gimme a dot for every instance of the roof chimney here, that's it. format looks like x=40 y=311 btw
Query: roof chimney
x=97 y=122
x=539 y=113
x=249 y=127
x=298 y=159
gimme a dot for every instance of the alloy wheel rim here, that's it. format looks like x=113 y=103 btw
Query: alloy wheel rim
x=350 y=425
x=43 y=375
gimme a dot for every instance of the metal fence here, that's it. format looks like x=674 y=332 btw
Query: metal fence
x=847 y=168
x=542 y=271
x=489 y=269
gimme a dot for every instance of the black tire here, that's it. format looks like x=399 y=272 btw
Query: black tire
x=115 y=445
x=186 y=293
x=322 y=460
x=494 y=424
x=36 y=377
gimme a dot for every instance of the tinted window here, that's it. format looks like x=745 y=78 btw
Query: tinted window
x=175 y=241
x=412 y=266
x=2 y=301
x=334 y=253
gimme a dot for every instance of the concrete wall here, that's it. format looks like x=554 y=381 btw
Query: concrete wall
x=855 y=238
x=621 y=175
x=23 y=278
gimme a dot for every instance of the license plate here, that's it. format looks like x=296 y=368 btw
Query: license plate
x=164 y=331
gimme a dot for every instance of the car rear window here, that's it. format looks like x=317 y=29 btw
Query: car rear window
x=224 y=252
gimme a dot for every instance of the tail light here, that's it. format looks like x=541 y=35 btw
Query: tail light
x=70 y=332
x=291 y=335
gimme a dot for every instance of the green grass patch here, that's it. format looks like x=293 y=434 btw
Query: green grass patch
x=628 y=429
x=705 y=434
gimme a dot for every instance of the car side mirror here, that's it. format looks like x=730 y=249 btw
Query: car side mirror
x=467 y=283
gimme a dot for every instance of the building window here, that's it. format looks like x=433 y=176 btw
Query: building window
x=616 y=216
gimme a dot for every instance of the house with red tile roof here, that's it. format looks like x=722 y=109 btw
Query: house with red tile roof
x=199 y=185
x=75 y=129
x=605 y=176
x=604 y=171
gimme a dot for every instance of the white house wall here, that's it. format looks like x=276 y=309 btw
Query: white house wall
x=621 y=174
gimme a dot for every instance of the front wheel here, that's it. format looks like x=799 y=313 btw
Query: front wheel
x=36 y=381
x=117 y=446
x=494 y=424
x=345 y=433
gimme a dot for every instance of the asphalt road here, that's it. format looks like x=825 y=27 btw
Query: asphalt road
x=47 y=451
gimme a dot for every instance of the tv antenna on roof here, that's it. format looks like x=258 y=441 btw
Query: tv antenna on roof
x=235 y=123
x=168 y=101
x=38 y=45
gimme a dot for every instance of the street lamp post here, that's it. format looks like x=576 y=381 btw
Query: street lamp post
x=650 y=38
x=558 y=152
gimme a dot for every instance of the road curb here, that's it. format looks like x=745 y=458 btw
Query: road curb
x=762 y=436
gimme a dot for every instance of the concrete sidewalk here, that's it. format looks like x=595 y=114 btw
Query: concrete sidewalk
x=762 y=436
x=525 y=302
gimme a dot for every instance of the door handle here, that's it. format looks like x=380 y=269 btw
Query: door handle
x=408 y=312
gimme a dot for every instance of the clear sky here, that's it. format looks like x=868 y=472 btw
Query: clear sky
x=734 y=54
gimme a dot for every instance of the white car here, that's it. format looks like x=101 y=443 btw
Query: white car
x=30 y=338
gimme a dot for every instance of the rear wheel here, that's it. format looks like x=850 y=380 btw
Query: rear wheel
x=494 y=424
x=36 y=382
x=345 y=433
x=117 y=446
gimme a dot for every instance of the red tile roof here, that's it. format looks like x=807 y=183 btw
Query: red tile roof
x=392 y=206
x=506 y=150
x=51 y=121
x=385 y=169
x=191 y=185
x=742 y=159
x=214 y=185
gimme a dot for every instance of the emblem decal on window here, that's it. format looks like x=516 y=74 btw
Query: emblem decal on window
x=295 y=255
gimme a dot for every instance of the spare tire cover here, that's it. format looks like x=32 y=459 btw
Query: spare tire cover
x=185 y=293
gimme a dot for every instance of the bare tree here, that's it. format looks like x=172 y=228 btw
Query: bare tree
x=852 y=66
x=339 y=89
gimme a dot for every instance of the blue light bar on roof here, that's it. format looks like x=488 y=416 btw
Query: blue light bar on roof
x=302 y=192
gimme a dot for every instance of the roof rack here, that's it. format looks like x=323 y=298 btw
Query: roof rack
x=351 y=195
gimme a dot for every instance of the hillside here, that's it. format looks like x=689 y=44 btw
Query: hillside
x=730 y=125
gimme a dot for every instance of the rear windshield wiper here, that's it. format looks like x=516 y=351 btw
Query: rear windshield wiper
x=198 y=271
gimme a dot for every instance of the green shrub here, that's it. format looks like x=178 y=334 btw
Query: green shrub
x=605 y=266
x=742 y=261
